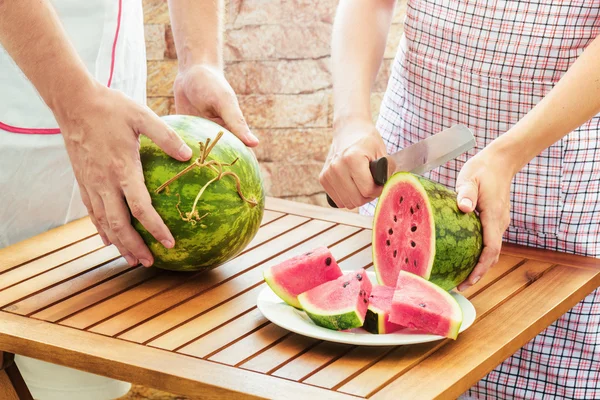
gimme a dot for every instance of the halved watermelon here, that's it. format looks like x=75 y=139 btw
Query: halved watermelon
x=418 y=228
x=339 y=304
x=377 y=319
x=422 y=305
x=302 y=273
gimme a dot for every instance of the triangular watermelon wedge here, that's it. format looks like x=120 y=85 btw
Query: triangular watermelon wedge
x=340 y=304
x=302 y=273
x=422 y=305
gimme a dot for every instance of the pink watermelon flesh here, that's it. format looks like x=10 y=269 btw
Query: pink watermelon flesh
x=377 y=319
x=302 y=273
x=403 y=234
x=339 y=304
x=422 y=305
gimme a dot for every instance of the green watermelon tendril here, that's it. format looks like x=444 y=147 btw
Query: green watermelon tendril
x=205 y=149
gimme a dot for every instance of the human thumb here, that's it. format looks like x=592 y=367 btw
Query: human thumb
x=234 y=121
x=467 y=193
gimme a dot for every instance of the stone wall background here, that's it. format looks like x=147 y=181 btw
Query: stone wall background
x=277 y=55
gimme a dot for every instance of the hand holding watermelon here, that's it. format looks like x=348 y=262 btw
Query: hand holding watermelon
x=484 y=185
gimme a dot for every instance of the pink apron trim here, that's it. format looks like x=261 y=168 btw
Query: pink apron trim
x=54 y=131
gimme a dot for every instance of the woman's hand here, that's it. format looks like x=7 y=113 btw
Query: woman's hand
x=101 y=129
x=346 y=176
x=203 y=91
x=484 y=184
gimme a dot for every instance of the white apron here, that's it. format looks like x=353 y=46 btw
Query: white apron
x=39 y=191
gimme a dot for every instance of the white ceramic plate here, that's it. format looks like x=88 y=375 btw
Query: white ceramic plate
x=287 y=317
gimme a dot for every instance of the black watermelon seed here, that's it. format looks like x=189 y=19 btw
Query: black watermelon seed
x=422 y=305
x=387 y=242
x=413 y=228
x=371 y=296
x=411 y=210
x=401 y=199
x=395 y=252
x=412 y=243
x=395 y=219
x=345 y=284
x=365 y=300
x=406 y=260
x=359 y=277
x=418 y=208
x=308 y=254
x=328 y=261
x=391 y=231
x=415 y=263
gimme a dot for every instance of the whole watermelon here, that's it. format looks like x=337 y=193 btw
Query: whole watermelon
x=419 y=228
x=210 y=217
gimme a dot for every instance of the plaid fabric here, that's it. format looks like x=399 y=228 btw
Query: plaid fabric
x=486 y=64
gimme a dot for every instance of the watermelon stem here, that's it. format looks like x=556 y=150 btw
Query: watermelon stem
x=200 y=162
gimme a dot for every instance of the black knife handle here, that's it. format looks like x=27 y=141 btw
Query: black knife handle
x=379 y=171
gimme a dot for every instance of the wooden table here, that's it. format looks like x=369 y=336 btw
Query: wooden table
x=67 y=299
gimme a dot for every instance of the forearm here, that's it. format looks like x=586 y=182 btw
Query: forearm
x=198 y=32
x=573 y=101
x=359 y=36
x=33 y=36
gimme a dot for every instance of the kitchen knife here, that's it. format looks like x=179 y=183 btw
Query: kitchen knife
x=422 y=156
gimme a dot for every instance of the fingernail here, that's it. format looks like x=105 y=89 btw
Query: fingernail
x=476 y=279
x=251 y=139
x=466 y=203
x=184 y=151
x=167 y=243
x=130 y=260
x=145 y=263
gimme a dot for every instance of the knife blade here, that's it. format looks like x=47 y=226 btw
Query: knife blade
x=422 y=156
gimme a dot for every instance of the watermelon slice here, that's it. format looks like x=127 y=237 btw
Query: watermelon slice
x=302 y=273
x=377 y=319
x=418 y=228
x=339 y=304
x=422 y=305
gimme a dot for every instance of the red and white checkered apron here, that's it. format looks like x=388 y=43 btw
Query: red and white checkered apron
x=486 y=64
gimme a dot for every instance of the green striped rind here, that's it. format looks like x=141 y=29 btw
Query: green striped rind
x=231 y=222
x=373 y=323
x=458 y=237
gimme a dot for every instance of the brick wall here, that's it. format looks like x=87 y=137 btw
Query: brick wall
x=277 y=55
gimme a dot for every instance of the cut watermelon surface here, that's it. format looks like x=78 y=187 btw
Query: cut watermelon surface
x=418 y=228
x=340 y=304
x=377 y=319
x=422 y=305
x=302 y=273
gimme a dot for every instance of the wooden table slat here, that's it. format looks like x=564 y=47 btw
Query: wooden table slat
x=468 y=354
x=50 y=261
x=282 y=352
x=225 y=335
x=45 y=243
x=112 y=306
x=404 y=358
x=312 y=360
x=69 y=287
x=270 y=215
x=52 y=277
x=94 y=295
x=211 y=298
x=245 y=348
